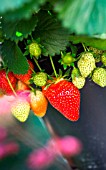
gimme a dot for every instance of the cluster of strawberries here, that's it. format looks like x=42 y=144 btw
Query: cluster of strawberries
x=62 y=95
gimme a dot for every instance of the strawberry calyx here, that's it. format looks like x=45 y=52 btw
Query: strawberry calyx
x=67 y=59
x=75 y=73
x=55 y=79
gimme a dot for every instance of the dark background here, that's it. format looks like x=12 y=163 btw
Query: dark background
x=90 y=128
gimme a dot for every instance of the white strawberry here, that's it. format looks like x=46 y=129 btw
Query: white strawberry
x=99 y=76
x=86 y=64
x=20 y=110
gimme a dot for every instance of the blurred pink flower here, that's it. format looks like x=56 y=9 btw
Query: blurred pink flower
x=25 y=95
x=8 y=149
x=68 y=145
x=43 y=157
x=3 y=134
x=40 y=158
x=5 y=103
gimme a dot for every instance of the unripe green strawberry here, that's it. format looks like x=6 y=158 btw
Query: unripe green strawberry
x=86 y=64
x=35 y=50
x=20 y=110
x=99 y=76
x=79 y=82
x=103 y=59
x=40 y=79
x=68 y=59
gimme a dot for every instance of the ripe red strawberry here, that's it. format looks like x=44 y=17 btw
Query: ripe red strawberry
x=64 y=97
x=4 y=85
x=26 y=77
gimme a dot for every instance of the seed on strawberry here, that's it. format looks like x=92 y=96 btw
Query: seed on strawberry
x=64 y=97
x=40 y=79
x=103 y=59
x=86 y=64
x=38 y=103
x=4 y=84
x=26 y=77
x=34 y=49
x=20 y=110
x=99 y=76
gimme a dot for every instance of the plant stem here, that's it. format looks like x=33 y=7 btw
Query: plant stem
x=31 y=87
x=84 y=47
x=31 y=69
x=37 y=64
x=53 y=66
x=11 y=85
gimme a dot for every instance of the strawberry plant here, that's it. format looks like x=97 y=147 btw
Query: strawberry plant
x=49 y=51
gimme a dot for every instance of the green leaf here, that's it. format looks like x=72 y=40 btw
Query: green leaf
x=14 y=58
x=17 y=30
x=83 y=17
x=89 y=41
x=52 y=36
x=24 y=11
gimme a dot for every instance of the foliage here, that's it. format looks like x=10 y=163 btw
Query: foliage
x=12 y=28
x=52 y=22
x=53 y=37
x=83 y=17
x=14 y=58
x=59 y=27
x=89 y=41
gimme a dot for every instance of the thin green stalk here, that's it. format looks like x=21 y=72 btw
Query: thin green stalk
x=84 y=47
x=11 y=85
x=31 y=87
x=31 y=69
x=37 y=64
x=53 y=67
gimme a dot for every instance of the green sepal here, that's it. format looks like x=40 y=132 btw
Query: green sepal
x=75 y=73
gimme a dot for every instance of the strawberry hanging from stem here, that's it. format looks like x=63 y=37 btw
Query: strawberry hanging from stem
x=38 y=103
x=63 y=96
